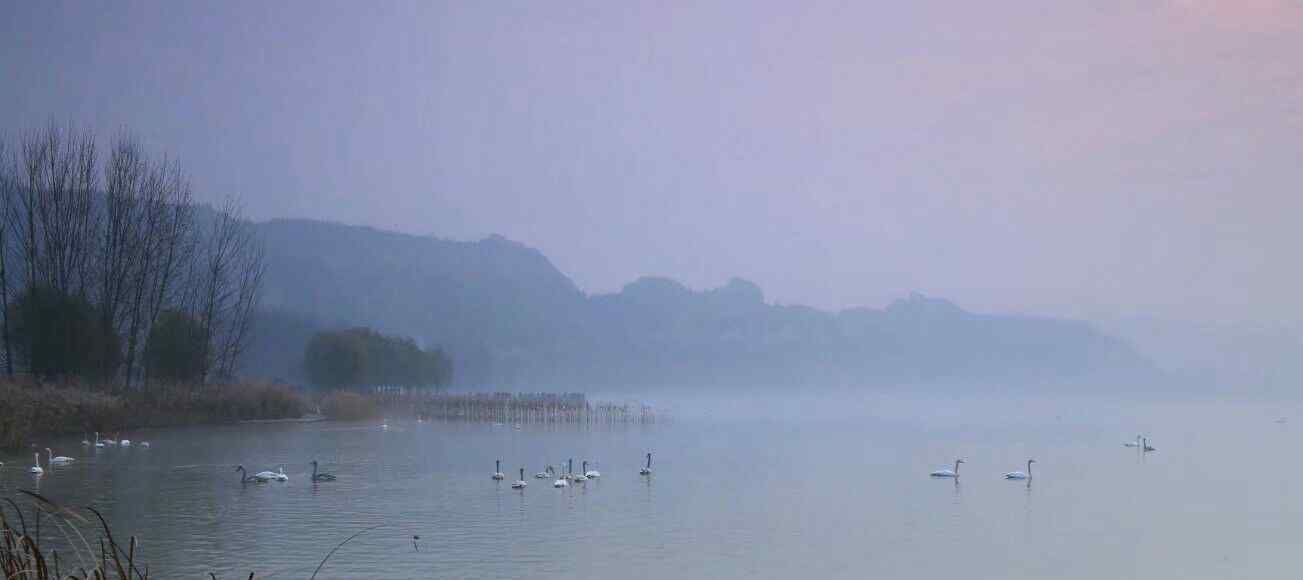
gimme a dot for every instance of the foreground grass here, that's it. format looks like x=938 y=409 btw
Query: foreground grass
x=99 y=556
x=28 y=409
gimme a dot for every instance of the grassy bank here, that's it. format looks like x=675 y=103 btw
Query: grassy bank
x=29 y=410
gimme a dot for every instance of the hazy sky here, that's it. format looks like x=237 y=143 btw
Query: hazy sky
x=1099 y=160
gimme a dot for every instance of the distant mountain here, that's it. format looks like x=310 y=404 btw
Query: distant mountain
x=510 y=319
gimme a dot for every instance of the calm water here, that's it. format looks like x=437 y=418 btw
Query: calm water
x=844 y=494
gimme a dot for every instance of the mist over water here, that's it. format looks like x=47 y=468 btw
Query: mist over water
x=756 y=487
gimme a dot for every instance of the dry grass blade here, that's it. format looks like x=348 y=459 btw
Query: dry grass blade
x=341 y=545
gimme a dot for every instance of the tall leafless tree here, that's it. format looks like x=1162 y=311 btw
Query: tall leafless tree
x=8 y=189
x=227 y=286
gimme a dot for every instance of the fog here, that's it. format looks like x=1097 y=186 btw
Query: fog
x=1129 y=164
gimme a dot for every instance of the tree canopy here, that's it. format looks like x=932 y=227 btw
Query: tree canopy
x=356 y=357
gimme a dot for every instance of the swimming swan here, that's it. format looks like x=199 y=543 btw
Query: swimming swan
x=948 y=472
x=1019 y=474
x=36 y=469
x=520 y=483
x=320 y=476
x=646 y=470
x=591 y=473
x=60 y=460
x=1135 y=443
x=497 y=471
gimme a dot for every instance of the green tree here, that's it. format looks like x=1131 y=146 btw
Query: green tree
x=336 y=359
x=60 y=335
x=361 y=356
x=175 y=348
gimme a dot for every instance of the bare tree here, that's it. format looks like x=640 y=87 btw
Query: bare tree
x=227 y=285
x=165 y=244
x=58 y=204
x=8 y=189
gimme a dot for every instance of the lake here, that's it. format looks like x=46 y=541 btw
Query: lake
x=799 y=488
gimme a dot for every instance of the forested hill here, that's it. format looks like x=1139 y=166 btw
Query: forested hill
x=510 y=319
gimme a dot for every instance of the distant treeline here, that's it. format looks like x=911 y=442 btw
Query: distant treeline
x=107 y=270
x=361 y=357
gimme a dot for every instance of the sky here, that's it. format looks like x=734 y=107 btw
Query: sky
x=1096 y=159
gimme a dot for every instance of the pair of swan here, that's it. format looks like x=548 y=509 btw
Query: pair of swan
x=954 y=473
x=1141 y=442
x=101 y=443
x=53 y=460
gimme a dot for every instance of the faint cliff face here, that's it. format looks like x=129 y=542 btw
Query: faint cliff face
x=509 y=317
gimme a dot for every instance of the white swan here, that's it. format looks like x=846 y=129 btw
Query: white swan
x=36 y=469
x=520 y=483
x=109 y=442
x=60 y=460
x=1019 y=474
x=1135 y=443
x=591 y=473
x=125 y=443
x=646 y=470
x=262 y=476
x=145 y=444
x=85 y=442
x=583 y=473
x=497 y=471
x=1145 y=445
x=561 y=483
x=546 y=473
x=280 y=474
x=948 y=472
x=98 y=442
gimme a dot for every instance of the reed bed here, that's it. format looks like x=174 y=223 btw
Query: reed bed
x=533 y=408
x=29 y=409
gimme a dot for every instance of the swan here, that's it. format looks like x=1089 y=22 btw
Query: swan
x=98 y=442
x=85 y=442
x=280 y=474
x=591 y=473
x=1145 y=445
x=1019 y=474
x=262 y=476
x=60 y=460
x=948 y=472
x=320 y=476
x=36 y=469
x=246 y=478
x=1135 y=443
x=646 y=470
x=546 y=473
x=109 y=442
x=144 y=444
x=581 y=477
x=125 y=443
x=497 y=471
x=520 y=483
x=561 y=482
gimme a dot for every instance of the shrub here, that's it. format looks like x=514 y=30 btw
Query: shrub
x=348 y=406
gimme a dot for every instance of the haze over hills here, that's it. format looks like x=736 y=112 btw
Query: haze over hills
x=511 y=320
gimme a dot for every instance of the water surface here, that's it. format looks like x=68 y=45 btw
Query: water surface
x=805 y=489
